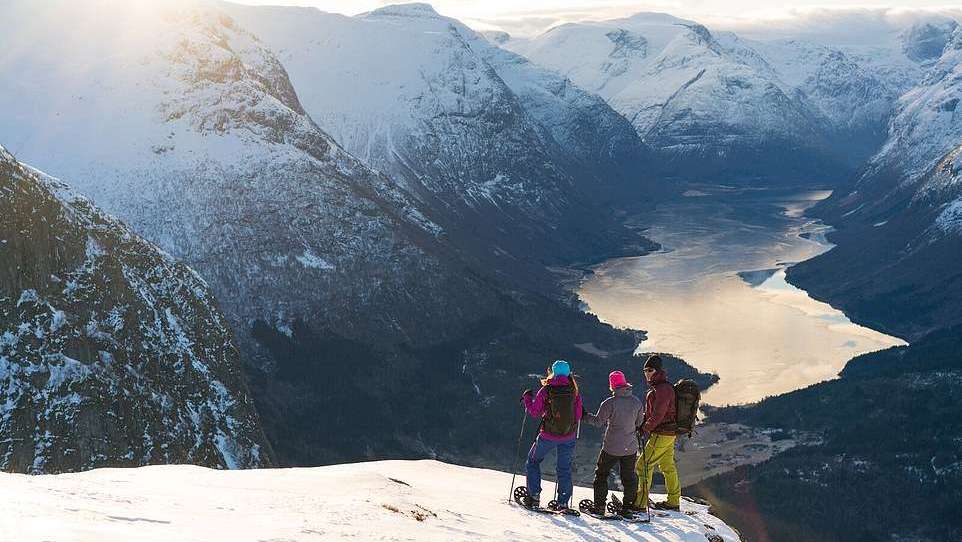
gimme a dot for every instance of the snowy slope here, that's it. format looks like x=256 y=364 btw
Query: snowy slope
x=111 y=352
x=852 y=98
x=929 y=120
x=185 y=126
x=386 y=500
x=601 y=144
x=341 y=286
x=919 y=159
x=857 y=86
x=180 y=122
x=504 y=153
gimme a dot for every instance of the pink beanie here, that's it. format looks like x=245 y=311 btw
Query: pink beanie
x=617 y=380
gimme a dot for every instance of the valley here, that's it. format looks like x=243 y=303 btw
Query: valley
x=244 y=236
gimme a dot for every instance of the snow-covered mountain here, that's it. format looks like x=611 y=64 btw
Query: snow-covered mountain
x=111 y=352
x=384 y=500
x=179 y=121
x=918 y=165
x=708 y=103
x=852 y=99
x=507 y=154
x=900 y=218
x=778 y=107
x=343 y=286
x=198 y=140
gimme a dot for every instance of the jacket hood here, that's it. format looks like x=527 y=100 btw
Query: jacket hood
x=622 y=391
x=559 y=381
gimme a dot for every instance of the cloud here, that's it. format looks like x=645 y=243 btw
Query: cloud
x=845 y=24
x=535 y=19
x=752 y=18
x=839 y=25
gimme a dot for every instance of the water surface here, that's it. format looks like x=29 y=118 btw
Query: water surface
x=716 y=294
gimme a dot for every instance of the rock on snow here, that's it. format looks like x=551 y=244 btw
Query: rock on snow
x=384 y=500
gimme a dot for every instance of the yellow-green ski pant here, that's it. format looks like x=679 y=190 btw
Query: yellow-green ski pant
x=660 y=453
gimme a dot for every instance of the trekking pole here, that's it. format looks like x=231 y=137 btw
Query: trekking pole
x=517 y=454
x=644 y=462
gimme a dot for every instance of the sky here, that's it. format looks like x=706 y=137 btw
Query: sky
x=529 y=17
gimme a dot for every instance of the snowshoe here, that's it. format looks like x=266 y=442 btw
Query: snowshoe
x=623 y=506
x=627 y=512
x=587 y=507
x=631 y=517
x=532 y=503
x=521 y=497
x=563 y=510
x=663 y=505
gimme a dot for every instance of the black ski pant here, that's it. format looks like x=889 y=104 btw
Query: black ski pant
x=626 y=467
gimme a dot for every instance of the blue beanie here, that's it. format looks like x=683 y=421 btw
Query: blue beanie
x=560 y=368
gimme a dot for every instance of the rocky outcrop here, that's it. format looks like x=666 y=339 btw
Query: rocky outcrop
x=111 y=352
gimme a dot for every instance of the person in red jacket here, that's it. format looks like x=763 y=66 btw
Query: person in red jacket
x=659 y=428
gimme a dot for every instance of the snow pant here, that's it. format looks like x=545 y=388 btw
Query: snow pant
x=626 y=468
x=659 y=452
x=539 y=450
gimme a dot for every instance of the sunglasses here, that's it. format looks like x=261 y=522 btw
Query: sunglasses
x=650 y=370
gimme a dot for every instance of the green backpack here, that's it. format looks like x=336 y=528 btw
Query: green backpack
x=559 y=417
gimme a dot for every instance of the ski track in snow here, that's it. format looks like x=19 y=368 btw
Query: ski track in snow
x=384 y=500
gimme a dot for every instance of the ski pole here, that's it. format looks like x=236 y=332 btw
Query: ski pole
x=517 y=454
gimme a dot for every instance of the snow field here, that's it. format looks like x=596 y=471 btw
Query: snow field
x=384 y=500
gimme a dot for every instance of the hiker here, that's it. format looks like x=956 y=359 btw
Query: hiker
x=622 y=414
x=558 y=404
x=659 y=429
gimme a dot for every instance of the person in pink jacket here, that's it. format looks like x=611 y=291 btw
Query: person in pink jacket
x=558 y=405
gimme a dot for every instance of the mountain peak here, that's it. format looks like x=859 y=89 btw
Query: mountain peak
x=414 y=9
x=497 y=37
x=925 y=41
x=656 y=17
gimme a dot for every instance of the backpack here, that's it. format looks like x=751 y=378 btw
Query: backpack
x=687 y=398
x=559 y=417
